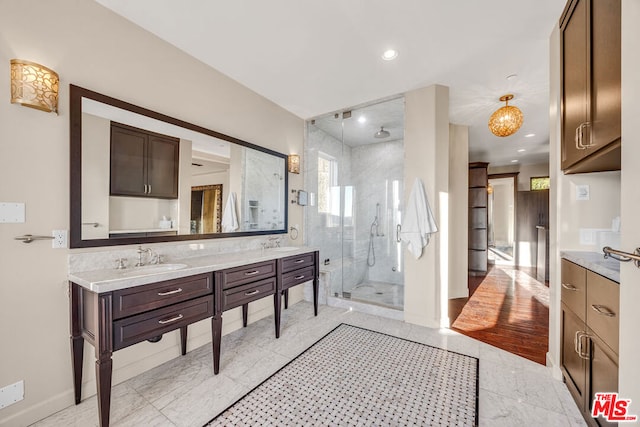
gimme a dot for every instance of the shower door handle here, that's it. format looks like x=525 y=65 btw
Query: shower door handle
x=398 y=229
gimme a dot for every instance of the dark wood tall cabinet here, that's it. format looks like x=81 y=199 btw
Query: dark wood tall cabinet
x=143 y=163
x=478 y=217
x=591 y=95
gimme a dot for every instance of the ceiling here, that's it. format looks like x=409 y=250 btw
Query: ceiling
x=313 y=58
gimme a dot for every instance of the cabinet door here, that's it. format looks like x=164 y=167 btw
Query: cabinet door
x=605 y=72
x=575 y=66
x=128 y=175
x=574 y=288
x=603 y=373
x=603 y=308
x=162 y=167
x=573 y=366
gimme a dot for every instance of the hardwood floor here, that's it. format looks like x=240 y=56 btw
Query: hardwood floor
x=508 y=308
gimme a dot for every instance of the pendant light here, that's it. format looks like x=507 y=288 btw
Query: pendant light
x=506 y=120
x=382 y=133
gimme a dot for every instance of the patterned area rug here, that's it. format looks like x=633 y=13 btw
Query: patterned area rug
x=354 y=376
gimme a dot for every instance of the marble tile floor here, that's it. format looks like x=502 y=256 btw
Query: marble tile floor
x=379 y=293
x=184 y=391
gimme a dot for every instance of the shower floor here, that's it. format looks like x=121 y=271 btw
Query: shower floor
x=379 y=293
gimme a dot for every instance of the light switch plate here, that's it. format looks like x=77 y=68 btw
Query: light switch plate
x=582 y=192
x=12 y=212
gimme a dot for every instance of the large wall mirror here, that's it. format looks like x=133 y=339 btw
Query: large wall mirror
x=138 y=176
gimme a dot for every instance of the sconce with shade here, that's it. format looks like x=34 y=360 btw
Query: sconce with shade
x=506 y=120
x=293 y=163
x=34 y=85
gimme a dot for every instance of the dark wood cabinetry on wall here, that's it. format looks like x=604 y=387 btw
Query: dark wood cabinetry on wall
x=143 y=164
x=591 y=101
x=478 y=182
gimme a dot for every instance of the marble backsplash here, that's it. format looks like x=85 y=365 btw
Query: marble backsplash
x=105 y=258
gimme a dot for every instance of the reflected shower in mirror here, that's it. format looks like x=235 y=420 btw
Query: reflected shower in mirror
x=138 y=176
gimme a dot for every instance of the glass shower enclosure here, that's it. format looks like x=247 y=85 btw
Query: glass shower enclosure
x=354 y=167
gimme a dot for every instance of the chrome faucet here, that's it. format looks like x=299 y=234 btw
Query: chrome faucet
x=153 y=258
x=273 y=242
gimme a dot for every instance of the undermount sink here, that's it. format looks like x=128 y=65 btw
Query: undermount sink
x=151 y=269
x=285 y=249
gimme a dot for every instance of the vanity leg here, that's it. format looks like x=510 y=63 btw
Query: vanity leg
x=216 y=337
x=286 y=299
x=245 y=314
x=277 y=301
x=77 y=342
x=104 y=369
x=183 y=340
x=316 y=282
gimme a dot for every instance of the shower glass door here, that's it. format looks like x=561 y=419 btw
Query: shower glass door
x=355 y=167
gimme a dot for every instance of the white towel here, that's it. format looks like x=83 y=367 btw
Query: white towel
x=230 y=215
x=418 y=223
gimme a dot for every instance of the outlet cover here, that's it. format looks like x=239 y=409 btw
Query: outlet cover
x=59 y=239
x=11 y=394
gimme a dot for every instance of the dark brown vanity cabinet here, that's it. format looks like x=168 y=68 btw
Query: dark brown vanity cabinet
x=143 y=163
x=589 y=349
x=591 y=76
x=111 y=321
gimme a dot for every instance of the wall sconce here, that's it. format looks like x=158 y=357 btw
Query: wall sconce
x=34 y=85
x=294 y=163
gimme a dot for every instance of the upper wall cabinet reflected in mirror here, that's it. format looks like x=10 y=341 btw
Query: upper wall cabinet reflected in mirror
x=138 y=176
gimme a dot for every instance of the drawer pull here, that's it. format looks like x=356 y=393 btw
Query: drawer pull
x=299 y=261
x=257 y=291
x=569 y=287
x=299 y=277
x=601 y=309
x=252 y=273
x=173 y=319
x=175 y=291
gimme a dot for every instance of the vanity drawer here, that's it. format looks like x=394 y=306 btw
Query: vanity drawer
x=244 y=294
x=603 y=308
x=296 y=277
x=296 y=262
x=138 y=328
x=247 y=273
x=138 y=299
x=574 y=288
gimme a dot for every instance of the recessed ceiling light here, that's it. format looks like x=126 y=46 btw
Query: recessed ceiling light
x=529 y=135
x=362 y=119
x=390 y=54
x=522 y=150
x=514 y=161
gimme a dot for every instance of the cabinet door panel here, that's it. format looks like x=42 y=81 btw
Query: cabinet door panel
x=127 y=162
x=603 y=374
x=575 y=67
x=605 y=72
x=573 y=365
x=478 y=177
x=478 y=197
x=162 y=164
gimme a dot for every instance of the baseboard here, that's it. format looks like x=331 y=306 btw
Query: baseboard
x=556 y=372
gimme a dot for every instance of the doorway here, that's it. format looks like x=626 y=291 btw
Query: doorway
x=501 y=227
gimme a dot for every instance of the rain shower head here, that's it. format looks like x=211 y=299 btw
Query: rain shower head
x=382 y=133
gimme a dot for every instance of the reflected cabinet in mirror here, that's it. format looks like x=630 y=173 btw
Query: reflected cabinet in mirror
x=138 y=176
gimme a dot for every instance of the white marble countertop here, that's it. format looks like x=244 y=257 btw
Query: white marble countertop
x=108 y=280
x=595 y=261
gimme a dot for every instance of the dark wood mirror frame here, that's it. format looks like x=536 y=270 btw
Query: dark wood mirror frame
x=75 y=167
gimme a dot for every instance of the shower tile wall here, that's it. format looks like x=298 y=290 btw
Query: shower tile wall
x=374 y=169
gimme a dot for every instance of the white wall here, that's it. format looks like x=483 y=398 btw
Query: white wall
x=526 y=172
x=629 y=384
x=91 y=47
x=426 y=157
x=95 y=173
x=458 y=210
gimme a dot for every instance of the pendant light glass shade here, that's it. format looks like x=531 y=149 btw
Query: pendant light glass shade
x=506 y=120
